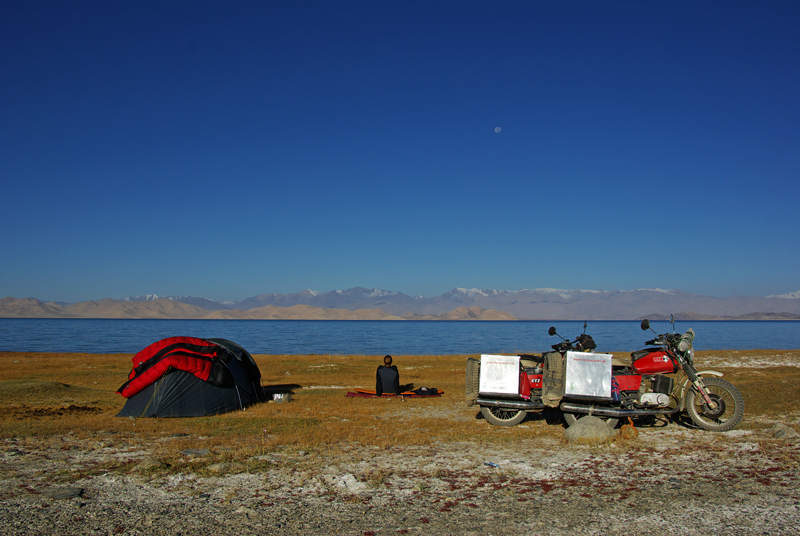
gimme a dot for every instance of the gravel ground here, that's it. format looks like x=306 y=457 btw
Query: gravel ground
x=670 y=480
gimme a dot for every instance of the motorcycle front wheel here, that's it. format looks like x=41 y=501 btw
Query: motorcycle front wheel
x=728 y=412
x=503 y=416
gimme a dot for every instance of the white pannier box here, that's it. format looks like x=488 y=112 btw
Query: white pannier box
x=499 y=375
x=588 y=375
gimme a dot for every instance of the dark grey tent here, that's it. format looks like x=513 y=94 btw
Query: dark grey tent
x=190 y=377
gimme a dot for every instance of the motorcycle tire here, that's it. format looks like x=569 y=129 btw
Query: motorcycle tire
x=503 y=416
x=728 y=413
x=472 y=380
x=572 y=418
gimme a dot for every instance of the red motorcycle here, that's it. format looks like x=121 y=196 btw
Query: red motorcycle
x=656 y=381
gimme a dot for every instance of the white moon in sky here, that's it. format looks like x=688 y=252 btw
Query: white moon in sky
x=497 y=129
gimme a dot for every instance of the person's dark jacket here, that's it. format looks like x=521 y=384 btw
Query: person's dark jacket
x=387 y=380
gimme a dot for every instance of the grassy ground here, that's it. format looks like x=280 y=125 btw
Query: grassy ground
x=49 y=395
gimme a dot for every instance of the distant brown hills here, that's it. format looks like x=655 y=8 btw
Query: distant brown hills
x=171 y=309
x=525 y=304
x=371 y=304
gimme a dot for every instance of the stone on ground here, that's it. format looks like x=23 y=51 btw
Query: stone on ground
x=589 y=430
x=781 y=431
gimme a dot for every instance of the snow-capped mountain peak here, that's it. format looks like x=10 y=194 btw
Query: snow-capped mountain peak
x=790 y=296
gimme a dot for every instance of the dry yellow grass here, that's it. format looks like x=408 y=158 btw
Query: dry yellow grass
x=37 y=390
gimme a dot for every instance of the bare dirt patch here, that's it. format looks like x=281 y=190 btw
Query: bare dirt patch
x=26 y=412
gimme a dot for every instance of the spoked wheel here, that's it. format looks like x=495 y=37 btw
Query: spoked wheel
x=503 y=416
x=728 y=410
x=571 y=419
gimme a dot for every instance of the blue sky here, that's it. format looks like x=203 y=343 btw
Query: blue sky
x=225 y=149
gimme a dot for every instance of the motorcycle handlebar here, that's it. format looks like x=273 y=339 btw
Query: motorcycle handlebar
x=666 y=339
x=686 y=341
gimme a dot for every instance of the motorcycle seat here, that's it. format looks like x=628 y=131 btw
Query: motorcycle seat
x=641 y=353
x=621 y=361
x=530 y=360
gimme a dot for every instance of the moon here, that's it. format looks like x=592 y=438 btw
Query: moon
x=497 y=129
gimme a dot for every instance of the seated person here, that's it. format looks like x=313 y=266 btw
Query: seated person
x=387 y=379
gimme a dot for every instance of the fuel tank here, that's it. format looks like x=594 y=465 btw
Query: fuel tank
x=655 y=361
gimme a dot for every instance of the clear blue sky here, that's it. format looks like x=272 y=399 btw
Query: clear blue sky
x=225 y=149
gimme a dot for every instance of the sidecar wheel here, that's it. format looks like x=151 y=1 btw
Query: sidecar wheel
x=727 y=414
x=571 y=419
x=503 y=416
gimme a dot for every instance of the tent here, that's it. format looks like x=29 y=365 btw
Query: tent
x=190 y=377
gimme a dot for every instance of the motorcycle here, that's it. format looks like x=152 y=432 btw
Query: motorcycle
x=660 y=380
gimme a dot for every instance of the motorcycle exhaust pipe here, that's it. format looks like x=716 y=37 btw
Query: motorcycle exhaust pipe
x=511 y=404
x=613 y=412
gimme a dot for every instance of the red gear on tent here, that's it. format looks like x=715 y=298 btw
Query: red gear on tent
x=188 y=354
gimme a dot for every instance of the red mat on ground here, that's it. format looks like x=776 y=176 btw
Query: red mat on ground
x=364 y=393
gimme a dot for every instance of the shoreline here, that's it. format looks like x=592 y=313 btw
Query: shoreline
x=708 y=318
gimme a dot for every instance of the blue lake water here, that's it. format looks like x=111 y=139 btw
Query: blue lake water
x=375 y=337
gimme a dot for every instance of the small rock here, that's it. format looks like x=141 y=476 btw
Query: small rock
x=267 y=458
x=66 y=492
x=244 y=510
x=781 y=431
x=149 y=464
x=226 y=467
x=196 y=452
x=346 y=482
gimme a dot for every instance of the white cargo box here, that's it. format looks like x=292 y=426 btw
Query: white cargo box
x=588 y=375
x=499 y=375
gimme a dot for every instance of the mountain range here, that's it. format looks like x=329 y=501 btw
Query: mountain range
x=459 y=303
x=164 y=308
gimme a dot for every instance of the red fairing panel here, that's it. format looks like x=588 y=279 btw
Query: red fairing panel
x=629 y=382
x=536 y=381
x=524 y=386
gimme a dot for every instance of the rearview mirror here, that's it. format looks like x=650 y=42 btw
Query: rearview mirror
x=645 y=324
x=552 y=331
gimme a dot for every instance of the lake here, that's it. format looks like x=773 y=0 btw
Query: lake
x=365 y=337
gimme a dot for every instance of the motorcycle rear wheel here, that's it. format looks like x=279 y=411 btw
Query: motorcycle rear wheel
x=503 y=416
x=572 y=418
x=725 y=416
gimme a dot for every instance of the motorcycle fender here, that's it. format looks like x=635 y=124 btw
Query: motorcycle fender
x=687 y=384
